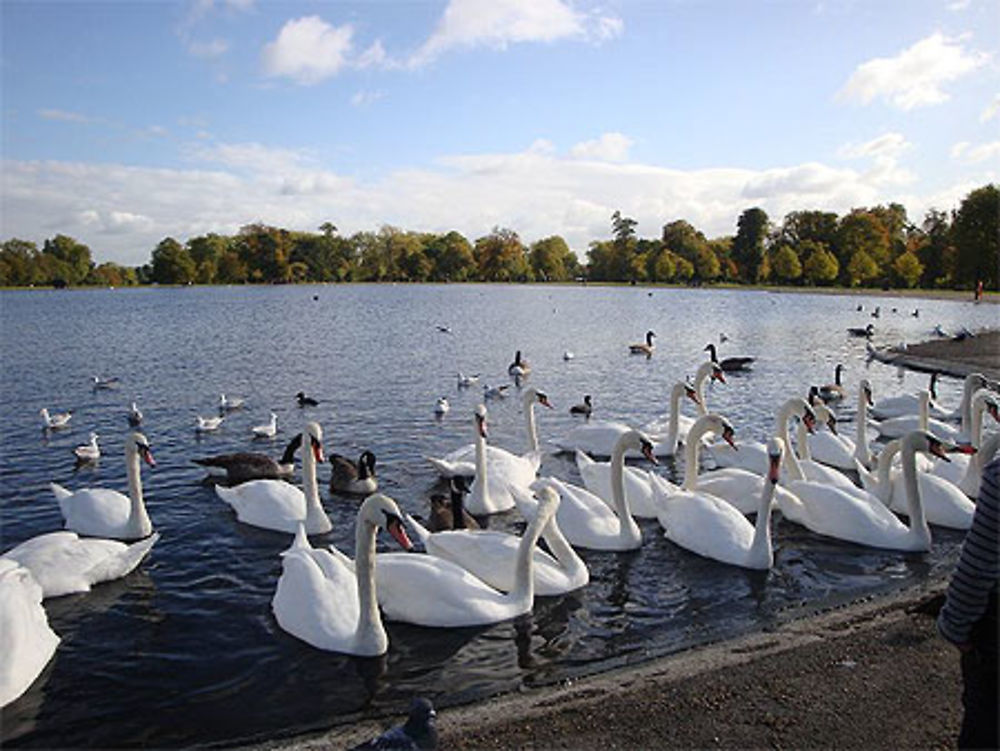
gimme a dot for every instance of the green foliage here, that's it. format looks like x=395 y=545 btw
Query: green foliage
x=172 y=263
x=552 y=261
x=867 y=246
x=785 y=264
x=908 y=269
x=820 y=266
x=976 y=240
x=861 y=269
x=748 y=245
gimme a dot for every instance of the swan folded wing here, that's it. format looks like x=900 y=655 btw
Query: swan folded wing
x=63 y=563
x=27 y=643
x=94 y=511
x=491 y=557
x=316 y=599
x=708 y=526
x=429 y=591
x=271 y=504
x=584 y=519
x=638 y=489
x=825 y=511
x=738 y=487
x=944 y=504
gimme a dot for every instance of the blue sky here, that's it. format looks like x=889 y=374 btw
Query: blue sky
x=126 y=122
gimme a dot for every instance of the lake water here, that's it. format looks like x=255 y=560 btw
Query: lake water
x=186 y=651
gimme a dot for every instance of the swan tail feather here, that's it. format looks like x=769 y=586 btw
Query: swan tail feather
x=115 y=567
x=59 y=491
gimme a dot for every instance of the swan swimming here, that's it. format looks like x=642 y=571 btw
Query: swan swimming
x=584 y=518
x=491 y=556
x=64 y=563
x=99 y=512
x=329 y=602
x=27 y=642
x=429 y=591
x=714 y=528
x=278 y=505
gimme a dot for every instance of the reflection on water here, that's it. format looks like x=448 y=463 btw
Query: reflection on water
x=186 y=650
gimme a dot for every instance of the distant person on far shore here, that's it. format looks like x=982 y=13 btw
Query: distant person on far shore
x=968 y=618
x=979 y=290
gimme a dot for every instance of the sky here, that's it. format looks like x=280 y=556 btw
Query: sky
x=128 y=121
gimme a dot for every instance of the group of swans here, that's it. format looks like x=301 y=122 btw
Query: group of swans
x=119 y=536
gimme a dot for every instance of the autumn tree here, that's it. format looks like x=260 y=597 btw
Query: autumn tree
x=74 y=257
x=551 y=260
x=501 y=257
x=172 y=264
x=907 y=268
x=820 y=265
x=785 y=264
x=451 y=256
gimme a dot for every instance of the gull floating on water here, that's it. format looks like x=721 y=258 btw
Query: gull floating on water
x=88 y=452
x=207 y=424
x=56 y=420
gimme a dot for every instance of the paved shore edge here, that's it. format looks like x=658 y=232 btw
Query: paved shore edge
x=871 y=674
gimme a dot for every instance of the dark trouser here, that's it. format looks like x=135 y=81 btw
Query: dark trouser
x=979 y=679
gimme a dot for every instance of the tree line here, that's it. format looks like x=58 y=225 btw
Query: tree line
x=870 y=247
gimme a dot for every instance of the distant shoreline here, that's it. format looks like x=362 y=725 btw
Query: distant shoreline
x=992 y=298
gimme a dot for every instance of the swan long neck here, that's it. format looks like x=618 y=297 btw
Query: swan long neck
x=965 y=406
x=310 y=485
x=568 y=559
x=138 y=518
x=675 y=418
x=918 y=528
x=761 y=543
x=802 y=442
x=523 y=592
x=884 y=490
x=976 y=409
x=529 y=421
x=861 y=451
x=369 y=620
x=479 y=489
x=924 y=400
x=628 y=530
x=692 y=447
x=699 y=387
x=781 y=430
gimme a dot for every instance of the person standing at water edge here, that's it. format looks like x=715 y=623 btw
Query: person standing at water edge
x=969 y=616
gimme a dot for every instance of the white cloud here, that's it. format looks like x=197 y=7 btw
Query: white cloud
x=610 y=147
x=991 y=110
x=884 y=151
x=958 y=5
x=916 y=76
x=308 y=50
x=122 y=212
x=64 y=116
x=365 y=98
x=499 y=23
x=209 y=50
x=967 y=153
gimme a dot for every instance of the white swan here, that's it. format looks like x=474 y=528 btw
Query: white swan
x=490 y=491
x=430 y=591
x=598 y=437
x=831 y=512
x=268 y=429
x=944 y=503
x=330 y=603
x=64 y=563
x=278 y=505
x=584 y=518
x=816 y=471
x=88 y=452
x=826 y=445
x=896 y=427
x=27 y=643
x=107 y=513
x=638 y=487
x=752 y=455
x=461 y=461
x=965 y=471
x=737 y=486
x=909 y=404
x=55 y=421
x=707 y=525
x=666 y=429
x=491 y=555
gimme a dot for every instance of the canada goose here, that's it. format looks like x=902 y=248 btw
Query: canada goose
x=450 y=513
x=644 y=349
x=583 y=409
x=729 y=364
x=866 y=332
x=356 y=478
